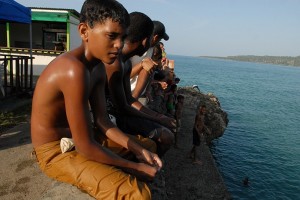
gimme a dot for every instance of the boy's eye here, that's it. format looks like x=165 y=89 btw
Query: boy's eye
x=111 y=36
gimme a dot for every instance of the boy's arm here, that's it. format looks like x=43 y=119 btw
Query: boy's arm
x=146 y=64
x=77 y=111
x=136 y=69
x=102 y=121
x=144 y=77
x=157 y=117
x=119 y=93
x=144 y=111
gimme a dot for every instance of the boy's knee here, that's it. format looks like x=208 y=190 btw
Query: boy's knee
x=166 y=137
x=150 y=145
x=146 y=143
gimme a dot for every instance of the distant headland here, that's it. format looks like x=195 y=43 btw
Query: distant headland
x=277 y=60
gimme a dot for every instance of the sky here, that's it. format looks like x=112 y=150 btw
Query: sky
x=216 y=27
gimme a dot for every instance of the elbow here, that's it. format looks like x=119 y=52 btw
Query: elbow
x=103 y=124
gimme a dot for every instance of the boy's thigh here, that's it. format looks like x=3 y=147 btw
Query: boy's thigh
x=99 y=180
x=137 y=125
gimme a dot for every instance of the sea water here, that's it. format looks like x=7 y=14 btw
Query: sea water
x=262 y=140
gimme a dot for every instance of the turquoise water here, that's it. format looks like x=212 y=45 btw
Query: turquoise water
x=262 y=140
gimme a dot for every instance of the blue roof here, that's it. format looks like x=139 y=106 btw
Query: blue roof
x=11 y=10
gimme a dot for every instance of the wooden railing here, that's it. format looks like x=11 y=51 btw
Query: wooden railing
x=16 y=74
x=17 y=50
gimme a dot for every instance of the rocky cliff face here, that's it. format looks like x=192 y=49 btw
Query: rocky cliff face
x=180 y=177
x=216 y=119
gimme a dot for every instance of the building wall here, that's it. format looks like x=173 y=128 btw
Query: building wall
x=40 y=62
x=75 y=40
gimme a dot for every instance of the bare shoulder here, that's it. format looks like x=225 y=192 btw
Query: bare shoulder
x=67 y=67
x=63 y=74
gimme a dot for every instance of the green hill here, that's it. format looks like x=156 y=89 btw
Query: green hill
x=277 y=60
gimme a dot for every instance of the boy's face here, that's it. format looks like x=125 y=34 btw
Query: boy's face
x=105 y=40
x=143 y=46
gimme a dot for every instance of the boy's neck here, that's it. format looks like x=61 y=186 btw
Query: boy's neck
x=89 y=63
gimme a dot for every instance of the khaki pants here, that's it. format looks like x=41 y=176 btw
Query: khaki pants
x=99 y=180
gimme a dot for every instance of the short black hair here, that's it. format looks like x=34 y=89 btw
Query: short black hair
x=97 y=11
x=141 y=27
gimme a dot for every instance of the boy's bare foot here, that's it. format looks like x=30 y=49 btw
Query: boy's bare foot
x=198 y=162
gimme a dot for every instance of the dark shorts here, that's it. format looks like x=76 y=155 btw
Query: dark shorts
x=196 y=138
x=137 y=125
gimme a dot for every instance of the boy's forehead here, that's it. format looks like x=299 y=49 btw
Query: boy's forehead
x=110 y=26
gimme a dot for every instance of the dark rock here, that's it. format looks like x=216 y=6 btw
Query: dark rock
x=216 y=119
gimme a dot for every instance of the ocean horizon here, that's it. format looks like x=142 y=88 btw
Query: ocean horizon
x=262 y=140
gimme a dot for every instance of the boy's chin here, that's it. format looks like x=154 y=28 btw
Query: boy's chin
x=109 y=61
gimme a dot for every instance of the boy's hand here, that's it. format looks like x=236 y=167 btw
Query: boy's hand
x=143 y=171
x=165 y=62
x=168 y=121
x=148 y=64
x=150 y=158
x=163 y=84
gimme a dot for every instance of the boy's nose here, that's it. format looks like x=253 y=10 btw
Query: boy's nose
x=119 y=44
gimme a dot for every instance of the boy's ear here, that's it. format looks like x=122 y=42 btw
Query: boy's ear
x=83 y=31
x=145 y=41
x=155 y=39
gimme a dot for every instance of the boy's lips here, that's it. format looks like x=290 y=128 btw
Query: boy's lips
x=114 y=54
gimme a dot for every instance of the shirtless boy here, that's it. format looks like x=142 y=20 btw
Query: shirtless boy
x=60 y=109
x=199 y=130
x=139 y=120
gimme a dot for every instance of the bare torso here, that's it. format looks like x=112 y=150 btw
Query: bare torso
x=49 y=118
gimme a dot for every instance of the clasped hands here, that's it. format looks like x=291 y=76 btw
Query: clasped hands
x=148 y=64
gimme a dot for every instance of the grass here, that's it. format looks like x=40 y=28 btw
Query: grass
x=10 y=119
